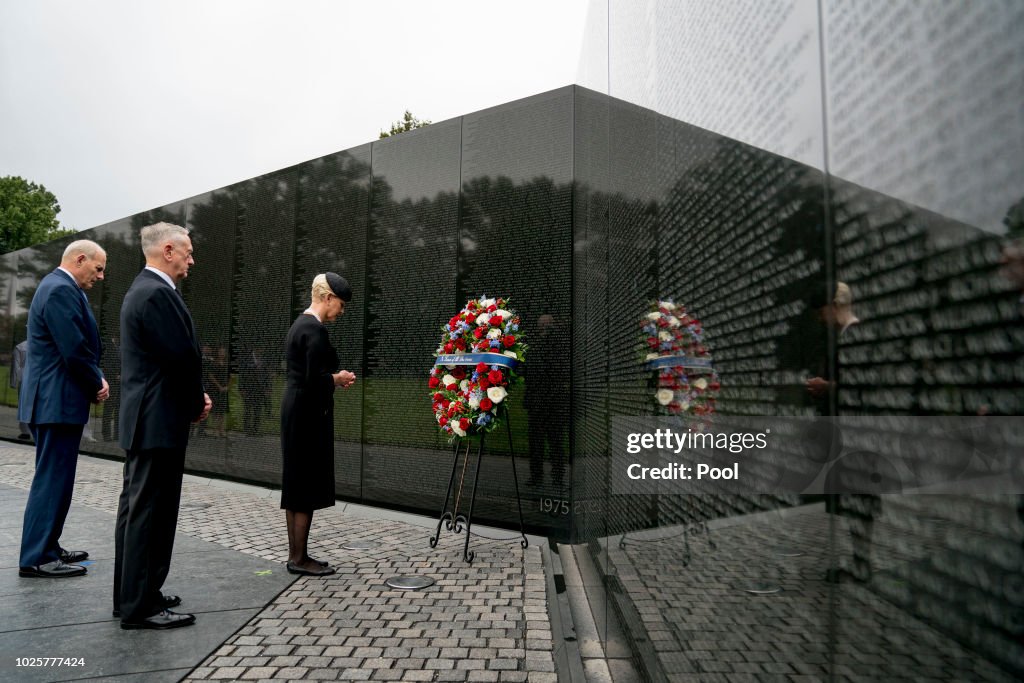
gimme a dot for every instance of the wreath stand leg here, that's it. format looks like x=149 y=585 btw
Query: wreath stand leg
x=446 y=516
x=454 y=520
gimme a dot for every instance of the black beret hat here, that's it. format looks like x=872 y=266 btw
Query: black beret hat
x=339 y=286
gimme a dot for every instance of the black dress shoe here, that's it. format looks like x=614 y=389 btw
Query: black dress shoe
x=52 y=570
x=161 y=620
x=165 y=602
x=296 y=569
x=70 y=556
x=322 y=563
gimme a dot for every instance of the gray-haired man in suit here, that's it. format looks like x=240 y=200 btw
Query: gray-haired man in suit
x=161 y=395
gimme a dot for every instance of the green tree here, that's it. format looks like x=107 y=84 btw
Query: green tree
x=408 y=122
x=28 y=214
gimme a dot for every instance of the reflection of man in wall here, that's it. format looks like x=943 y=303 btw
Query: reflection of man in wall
x=547 y=398
x=838 y=314
x=112 y=367
x=18 y=359
x=254 y=386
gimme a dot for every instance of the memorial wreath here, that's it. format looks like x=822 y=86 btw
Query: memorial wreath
x=686 y=381
x=475 y=367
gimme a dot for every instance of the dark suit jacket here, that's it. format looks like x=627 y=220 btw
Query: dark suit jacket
x=161 y=366
x=62 y=371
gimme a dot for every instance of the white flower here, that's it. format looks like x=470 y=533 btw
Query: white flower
x=496 y=394
x=474 y=400
x=464 y=385
x=511 y=354
x=701 y=383
x=673 y=321
x=684 y=405
x=505 y=315
x=664 y=396
x=483 y=319
x=486 y=302
x=665 y=335
x=439 y=415
x=667 y=305
x=448 y=379
x=456 y=428
x=495 y=333
x=653 y=316
x=653 y=356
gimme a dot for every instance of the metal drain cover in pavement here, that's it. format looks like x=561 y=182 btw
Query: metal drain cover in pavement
x=361 y=545
x=409 y=583
x=788 y=552
x=195 y=506
x=763 y=589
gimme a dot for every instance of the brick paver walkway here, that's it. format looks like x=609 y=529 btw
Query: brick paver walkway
x=482 y=622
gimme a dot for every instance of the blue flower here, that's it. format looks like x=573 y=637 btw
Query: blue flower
x=484 y=419
x=495 y=343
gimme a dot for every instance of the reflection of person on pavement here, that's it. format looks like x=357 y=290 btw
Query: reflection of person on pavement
x=546 y=399
x=18 y=358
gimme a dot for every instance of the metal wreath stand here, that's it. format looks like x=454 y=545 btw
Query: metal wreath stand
x=452 y=519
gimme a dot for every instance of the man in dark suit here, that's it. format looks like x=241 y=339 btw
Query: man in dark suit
x=61 y=378
x=161 y=395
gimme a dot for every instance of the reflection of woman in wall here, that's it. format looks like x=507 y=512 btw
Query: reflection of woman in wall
x=307 y=418
x=218 y=377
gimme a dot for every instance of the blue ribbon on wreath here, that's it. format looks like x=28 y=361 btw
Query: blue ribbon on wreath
x=680 y=361
x=475 y=358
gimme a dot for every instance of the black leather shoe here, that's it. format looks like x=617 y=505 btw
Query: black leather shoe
x=165 y=602
x=52 y=570
x=161 y=620
x=71 y=556
x=296 y=569
x=322 y=563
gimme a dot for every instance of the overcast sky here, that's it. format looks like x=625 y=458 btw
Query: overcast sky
x=121 y=106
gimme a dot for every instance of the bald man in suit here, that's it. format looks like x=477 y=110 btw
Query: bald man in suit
x=62 y=377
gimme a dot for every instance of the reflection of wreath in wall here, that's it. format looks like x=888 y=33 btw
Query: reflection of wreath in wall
x=685 y=380
x=475 y=366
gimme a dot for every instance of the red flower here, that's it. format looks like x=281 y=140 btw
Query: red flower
x=460 y=344
x=495 y=321
x=674 y=407
x=652 y=342
x=481 y=368
x=479 y=333
x=434 y=383
x=509 y=341
x=449 y=347
x=459 y=373
x=451 y=387
x=495 y=377
x=464 y=424
x=484 y=383
x=443 y=421
x=439 y=397
x=471 y=305
x=486 y=404
x=492 y=308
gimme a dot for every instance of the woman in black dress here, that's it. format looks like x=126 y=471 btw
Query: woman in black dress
x=307 y=418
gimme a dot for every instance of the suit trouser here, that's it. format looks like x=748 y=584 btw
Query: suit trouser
x=147 y=515
x=49 y=498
